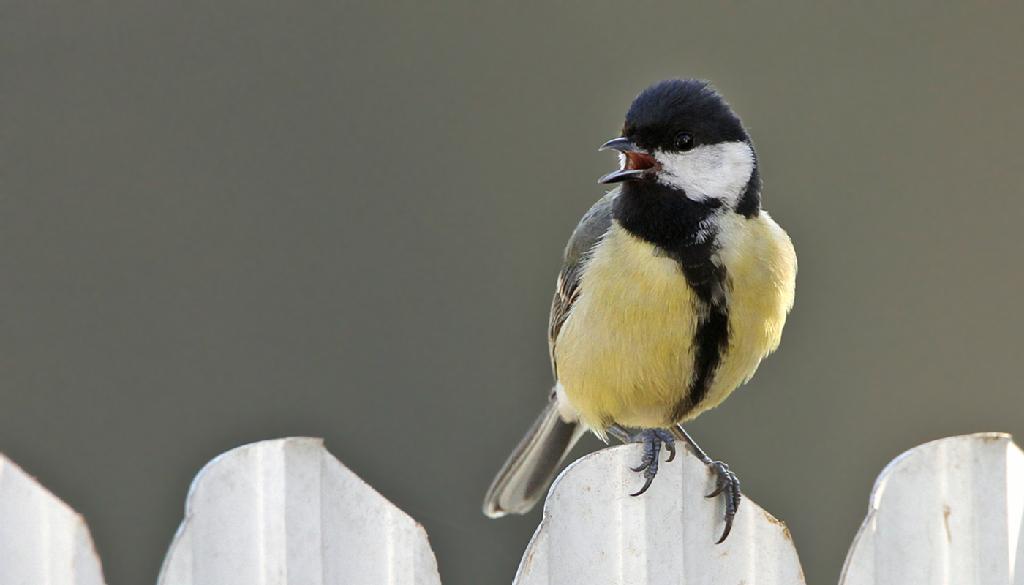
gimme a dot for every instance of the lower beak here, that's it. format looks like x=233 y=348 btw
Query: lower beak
x=638 y=161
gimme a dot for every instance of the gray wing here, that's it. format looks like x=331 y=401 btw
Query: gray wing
x=592 y=227
x=525 y=476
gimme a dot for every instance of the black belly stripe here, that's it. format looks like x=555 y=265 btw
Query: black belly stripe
x=683 y=229
x=711 y=337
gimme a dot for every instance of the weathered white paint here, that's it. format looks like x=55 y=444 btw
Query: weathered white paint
x=950 y=512
x=42 y=540
x=287 y=512
x=947 y=512
x=593 y=532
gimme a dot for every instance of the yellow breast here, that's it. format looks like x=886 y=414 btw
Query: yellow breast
x=761 y=263
x=625 y=353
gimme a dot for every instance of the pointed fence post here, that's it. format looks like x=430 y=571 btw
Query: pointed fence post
x=42 y=540
x=949 y=511
x=594 y=533
x=287 y=512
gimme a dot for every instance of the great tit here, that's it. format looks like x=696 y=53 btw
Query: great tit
x=674 y=286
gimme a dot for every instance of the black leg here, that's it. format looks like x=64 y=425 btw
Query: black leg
x=726 y=483
x=619 y=434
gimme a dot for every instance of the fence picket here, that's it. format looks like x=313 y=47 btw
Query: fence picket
x=949 y=511
x=42 y=540
x=286 y=511
x=593 y=532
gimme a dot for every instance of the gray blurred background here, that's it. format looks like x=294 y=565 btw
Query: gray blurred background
x=230 y=221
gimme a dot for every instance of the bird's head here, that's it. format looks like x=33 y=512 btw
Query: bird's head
x=682 y=134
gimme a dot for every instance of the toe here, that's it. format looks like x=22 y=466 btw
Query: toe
x=728 y=486
x=671 y=448
x=728 y=529
x=643 y=465
x=722 y=479
x=647 y=484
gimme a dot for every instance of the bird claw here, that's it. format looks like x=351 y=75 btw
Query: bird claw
x=670 y=446
x=727 y=485
x=641 y=467
x=649 y=479
x=726 y=482
x=653 y=440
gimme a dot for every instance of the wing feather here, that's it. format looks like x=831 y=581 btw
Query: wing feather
x=588 y=233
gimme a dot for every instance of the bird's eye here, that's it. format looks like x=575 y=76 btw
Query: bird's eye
x=684 y=141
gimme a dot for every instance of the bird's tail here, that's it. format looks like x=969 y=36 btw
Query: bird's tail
x=525 y=476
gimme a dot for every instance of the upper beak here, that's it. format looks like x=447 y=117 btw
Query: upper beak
x=620 y=144
x=638 y=161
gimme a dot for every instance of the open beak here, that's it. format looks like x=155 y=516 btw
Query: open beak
x=638 y=161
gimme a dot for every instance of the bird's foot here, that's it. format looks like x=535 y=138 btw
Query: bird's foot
x=727 y=484
x=652 y=439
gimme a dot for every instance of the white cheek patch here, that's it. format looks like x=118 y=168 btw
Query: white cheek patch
x=712 y=171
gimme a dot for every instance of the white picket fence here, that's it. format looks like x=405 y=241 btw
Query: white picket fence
x=287 y=512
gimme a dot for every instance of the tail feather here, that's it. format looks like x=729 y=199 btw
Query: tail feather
x=529 y=470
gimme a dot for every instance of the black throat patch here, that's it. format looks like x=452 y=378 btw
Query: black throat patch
x=684 y=230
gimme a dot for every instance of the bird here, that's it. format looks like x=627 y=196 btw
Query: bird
x=674 y=286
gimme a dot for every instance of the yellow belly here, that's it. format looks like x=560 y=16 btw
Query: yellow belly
x=625 y=352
